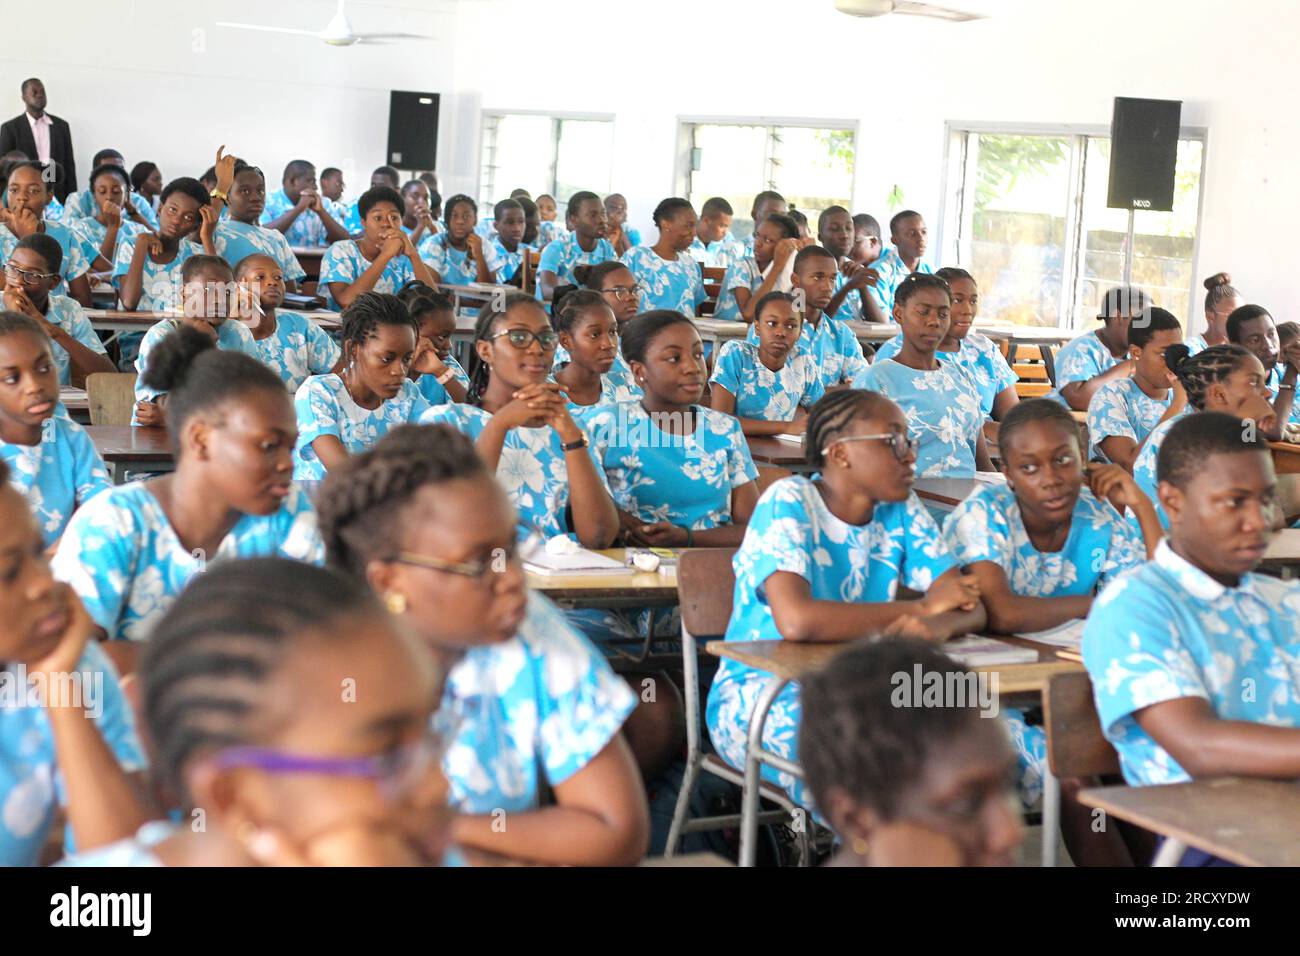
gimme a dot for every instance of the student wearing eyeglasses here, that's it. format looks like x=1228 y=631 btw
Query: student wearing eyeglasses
x=822 y=560
x=29 y=276
x=26 y=195
x=342 y=413
x=521 y=426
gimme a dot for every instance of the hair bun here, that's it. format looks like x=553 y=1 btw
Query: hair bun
x=1218 y=279
x=1176 y=355
x=170 y=360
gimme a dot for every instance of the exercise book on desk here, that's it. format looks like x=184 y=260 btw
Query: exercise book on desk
x=1068 y=635
x=581 y=561
x=792 y=439
x=988 y=652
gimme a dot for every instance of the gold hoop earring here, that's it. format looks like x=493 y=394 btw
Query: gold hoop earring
x=860 y=846
x=395 y=601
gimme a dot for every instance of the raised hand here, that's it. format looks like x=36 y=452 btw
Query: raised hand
x=225 y=167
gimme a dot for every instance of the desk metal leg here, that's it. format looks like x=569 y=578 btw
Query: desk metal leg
x=1170 y=852
x=753 y=764
x=1051 y=816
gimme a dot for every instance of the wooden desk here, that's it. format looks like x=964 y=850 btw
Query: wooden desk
x=76 y=402
x=129 y=446
x=114 y=320
x=1249 y=822
x=946 y=493
x=777 y=453
x=633 y=589
x=310 y=260
x=1283 y=554
x=1286 y=457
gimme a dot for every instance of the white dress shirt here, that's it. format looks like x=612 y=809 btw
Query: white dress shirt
x=41 y=133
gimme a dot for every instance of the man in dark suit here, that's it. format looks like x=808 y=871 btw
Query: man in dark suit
x=42 y=136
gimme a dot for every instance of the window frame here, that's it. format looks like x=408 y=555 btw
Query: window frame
x=487 y=188
x=685 y=123
x=952 y=204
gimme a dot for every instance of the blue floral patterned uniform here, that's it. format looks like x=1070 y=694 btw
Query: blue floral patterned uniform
x=716 y=255
x=31 y=784
x=1167 y=630
x=1080 y=359
x=1196 y=343
x=232 y=335
x=979 y=356
x=235 y=241
x=531 y=469
x=619 y=375
x=562 y=255
x=436 y=394
x=611 y=393
x=554 y=231
x=343 y=262
x=850 y=309
x=834 y=348
x=543 y=703
x=160 y=286
x=77 y=253
x=792 y=530
x=1144 y=467
x=453 y=265
x=81 y=205
x=675 y=284
x=892 y=271
x=92 y=232
x=943 y=413
x=308 y=230
x=741 y=274
x=298 y=348
x=988 y=526
x=325 y=407
x=56 y=475
x=124 y=560
x=504 y=263
x=1120 y=409
x=67 y=314
x=761 y=393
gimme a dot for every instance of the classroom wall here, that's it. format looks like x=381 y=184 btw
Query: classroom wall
x=900 y=78
x=158 y=80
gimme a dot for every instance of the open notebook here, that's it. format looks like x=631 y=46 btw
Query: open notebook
x=580 y=561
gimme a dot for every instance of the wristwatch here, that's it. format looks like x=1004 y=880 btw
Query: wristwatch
x=575 y=445
x=218 y=194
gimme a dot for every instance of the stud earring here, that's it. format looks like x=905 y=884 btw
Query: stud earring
x=395 y=601
x=860 y=846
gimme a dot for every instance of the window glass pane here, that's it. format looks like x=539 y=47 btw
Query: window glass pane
x=1164 y=242
x=583 y=160
x=732 y=164
x=518 y=154
x=813 y=168
x=1017 y=198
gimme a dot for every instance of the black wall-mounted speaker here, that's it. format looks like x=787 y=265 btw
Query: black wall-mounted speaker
x=413 y=130
x=1143 y=153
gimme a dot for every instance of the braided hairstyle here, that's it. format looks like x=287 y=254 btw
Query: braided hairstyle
x=831 y=416
x=360 y=504
x=479 y=372
x=206 y=664
x=368 y=311
x=1219 y=290
x=420 y=299
x=1198 y=372
x=853 y=737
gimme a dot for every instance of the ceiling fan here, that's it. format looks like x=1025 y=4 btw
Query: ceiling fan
x=338 y=32
x=879 y=8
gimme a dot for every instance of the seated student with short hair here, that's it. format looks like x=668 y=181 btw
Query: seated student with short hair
x=130 y=550
x=775 y=243
x=531 y=222
x=835 y=235
x=298 y=210
x=964 y=347
x=822 y=560
x=434 y=313
x=551 y=229
x=909 y=235
x=381 y=176
x=620 y=235
x=585 y=244
x=769 y=386
x=241 y=190
x=1221 y=300
x=1192 y=655
x=836 y=351
x=241 y=704
x=331 y=183
x=1220 y=378
x=50 y=458
x=208 y=307
x=867 y=246
x=801 y=220
x=342 y=413
x=457 y=254
x=110 y=189
x=29 y=275
x=417 y=221
x=26 y=195
x=666 y=272
x=941 y=400
x=767 y=203
x=289 y=343
x=1089 y=361
x=900 y=786
x=506 y=247
x=1122 y=413
x=82 y=205
x=86 y=760
x=148 y=269
x=1251 y=326
x=713 y=244
x=382 y=259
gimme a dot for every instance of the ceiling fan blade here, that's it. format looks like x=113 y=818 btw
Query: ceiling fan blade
x=396 y=36
x=907 y=8
x=266 y=29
